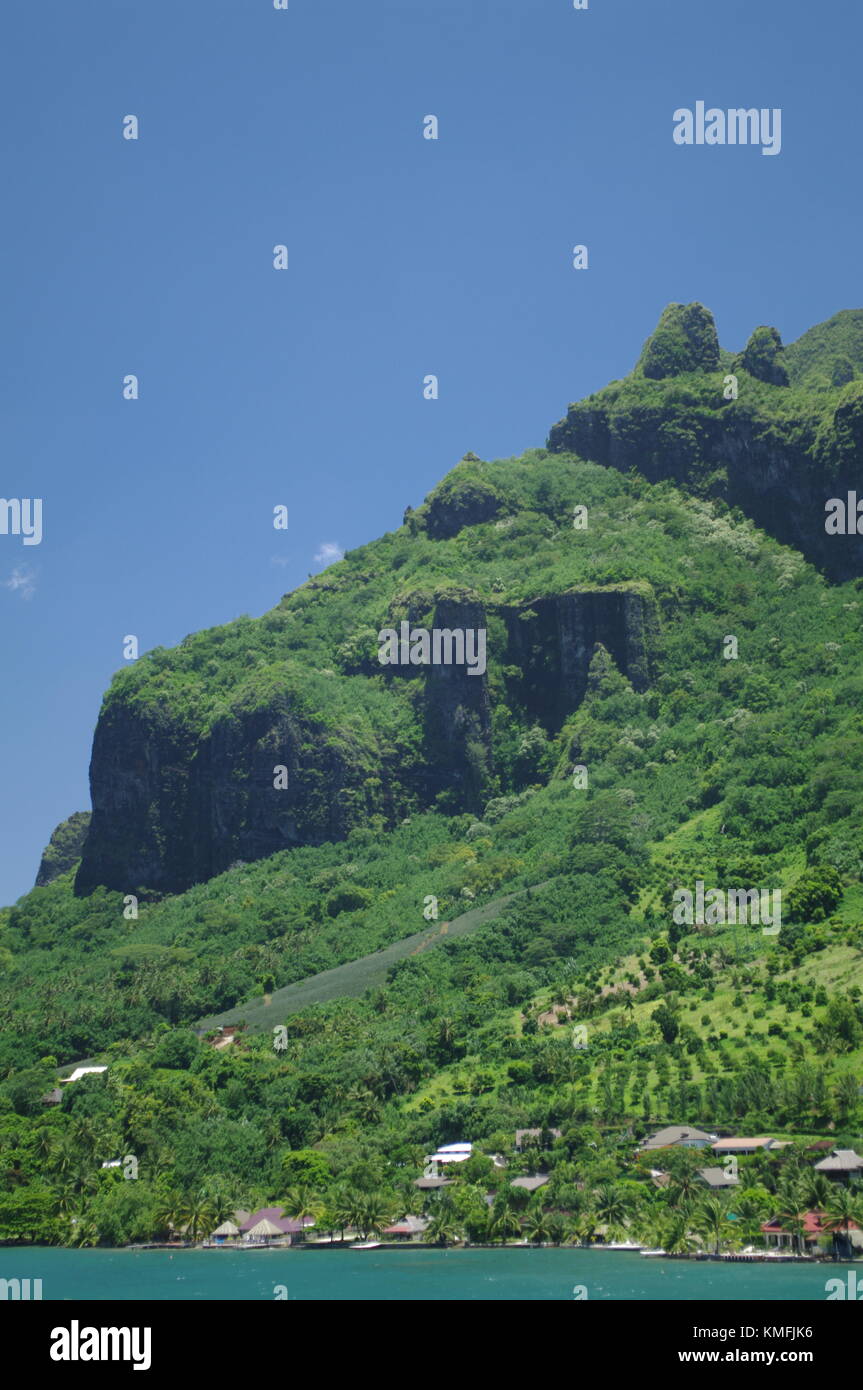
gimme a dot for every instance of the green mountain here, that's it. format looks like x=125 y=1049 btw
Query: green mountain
x=427 y=875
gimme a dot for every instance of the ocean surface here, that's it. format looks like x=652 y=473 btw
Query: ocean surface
x=405 y=1275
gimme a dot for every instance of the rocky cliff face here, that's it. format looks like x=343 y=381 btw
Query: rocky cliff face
x=173 y=805
x=171 y=809
x=778 y=454
x=551 y=642
x=775 y=476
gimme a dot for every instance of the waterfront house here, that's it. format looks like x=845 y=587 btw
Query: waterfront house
x=813 y=1230
x=409 y=1228
x=227 y=1231
x=268 y=1223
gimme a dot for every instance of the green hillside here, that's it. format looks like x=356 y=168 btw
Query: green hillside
x=672 y=696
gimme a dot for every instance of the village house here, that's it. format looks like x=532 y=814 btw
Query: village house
x=55 y=1096
x=841 y=1165
x=739 y=1145
x=716 y=1178
x=409 y=1228
x=269 y=1223
x=79 y=1072
x=531 y=1184
x=677 y=1137
x=813 y=1231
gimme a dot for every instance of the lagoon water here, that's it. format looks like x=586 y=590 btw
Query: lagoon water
x=522 y=1275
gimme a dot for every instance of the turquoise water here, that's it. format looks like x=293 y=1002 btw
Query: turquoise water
x=406 y=1275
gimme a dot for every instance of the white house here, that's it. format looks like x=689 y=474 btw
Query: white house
x=79 y=1072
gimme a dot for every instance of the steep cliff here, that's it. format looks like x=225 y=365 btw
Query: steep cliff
x=64 y=848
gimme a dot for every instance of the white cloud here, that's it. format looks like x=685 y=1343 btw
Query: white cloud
x=22 y=581
x=328 y=553
x=280 y=559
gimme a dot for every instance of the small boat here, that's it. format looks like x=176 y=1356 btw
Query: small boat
x=651 y=1254
x=631 y=1245
x=366 y=1245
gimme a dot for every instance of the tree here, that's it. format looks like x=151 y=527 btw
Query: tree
x=305 y=1168
x=667 y=1022
x=371 y=1213
x=613 y=1206
x=792 y=1215
x=842 y=1208
x=504 y=1222
x=712 y=1219
x=444 y=1228
x=676 y=1237
x=302 y=1203
x=538 y=1227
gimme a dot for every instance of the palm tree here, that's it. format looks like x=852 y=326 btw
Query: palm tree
x=504 y=1222
x=196 y=1214
x=683 y=1187
x=301 y=1203
x=169 y=1213
x=841 y=1209
x=82 y=1231
x=372 y=1214
x=46 y=1141
x=676 y=1237
x=343 y=1210
x=444 y=1228
x=750 y=1214
x=816 y=1190
x=794 y=1210
x=583 y=1225
x=558 y=1227
x=613 y=1207
x=538 y=1227
x=712 y=1217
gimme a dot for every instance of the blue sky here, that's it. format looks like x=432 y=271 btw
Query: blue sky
x=406 y=257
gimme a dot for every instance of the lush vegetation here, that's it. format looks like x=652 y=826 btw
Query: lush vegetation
x=739 y=766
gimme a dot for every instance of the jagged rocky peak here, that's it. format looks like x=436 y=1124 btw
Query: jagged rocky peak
x=763 y=356
x=64 y=849
x=685 y=340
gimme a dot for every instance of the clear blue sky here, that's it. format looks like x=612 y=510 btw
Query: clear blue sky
x=407 y=257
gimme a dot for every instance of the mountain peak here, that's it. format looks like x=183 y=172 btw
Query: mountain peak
x=684 y=340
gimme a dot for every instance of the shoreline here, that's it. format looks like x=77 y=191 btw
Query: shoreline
x=696 y=1257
